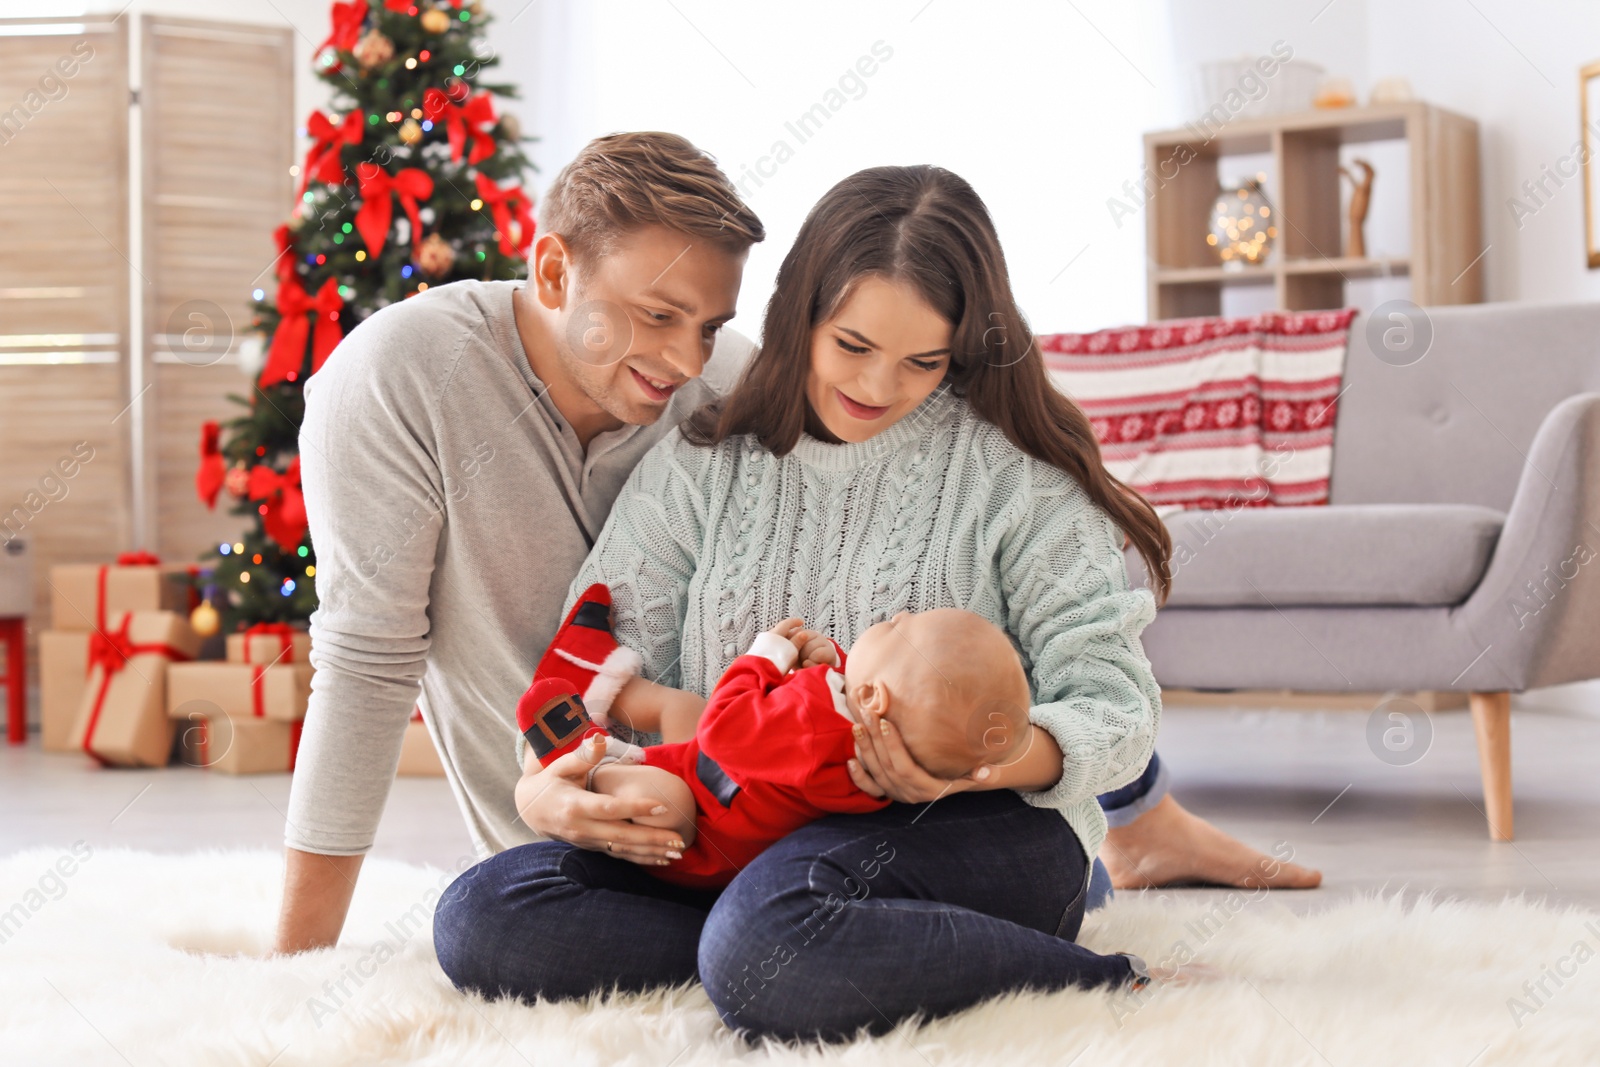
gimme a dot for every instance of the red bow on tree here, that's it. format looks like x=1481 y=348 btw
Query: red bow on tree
x=505 y=205
x=208 y=479
x=283 y=506
x=299 y=311
x=347 y=20
x=327 y=140
x=463 y=122
x=377 y=209
x=285 y=261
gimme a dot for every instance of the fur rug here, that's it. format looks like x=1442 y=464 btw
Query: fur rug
x=133 y=958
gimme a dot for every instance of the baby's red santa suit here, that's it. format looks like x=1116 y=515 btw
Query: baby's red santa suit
x=586 y=657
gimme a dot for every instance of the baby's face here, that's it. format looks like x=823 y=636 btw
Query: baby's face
x=950 y=682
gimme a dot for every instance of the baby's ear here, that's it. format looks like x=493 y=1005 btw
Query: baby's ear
x=873 y=697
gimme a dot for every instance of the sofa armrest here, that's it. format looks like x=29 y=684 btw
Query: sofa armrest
x=1537 y=609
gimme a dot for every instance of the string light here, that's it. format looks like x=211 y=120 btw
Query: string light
x=311 y=572
x=258 y=294
x=224 y=548
x=361 y=257
x=237 y=548
x=411 y=63
x=302 y=551
x=477 y=205
x=244 y=576
x=288 y=586
x=424 y=55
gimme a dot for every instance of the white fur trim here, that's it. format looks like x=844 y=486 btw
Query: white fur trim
x=836 y=686
x=779 y=650
x=618 y=668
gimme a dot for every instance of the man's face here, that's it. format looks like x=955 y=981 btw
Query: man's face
x=641 y=319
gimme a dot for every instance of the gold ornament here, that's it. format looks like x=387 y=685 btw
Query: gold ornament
x=435 y=21
x=204 y=619
x=237 y=481
x=410 y=131
x=373 y=50
x=435 y=256
x=511 y=127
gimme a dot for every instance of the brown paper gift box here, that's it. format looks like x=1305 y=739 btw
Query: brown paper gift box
x=122 y=715
x=268 y=648
x=63 y=673
x=75 y=592
x=210 y=689
x=239 y=746
x=418 y=757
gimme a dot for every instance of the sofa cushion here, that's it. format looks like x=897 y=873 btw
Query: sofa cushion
x=1371 y=554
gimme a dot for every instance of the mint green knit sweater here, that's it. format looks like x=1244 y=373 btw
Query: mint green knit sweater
x=706 y=547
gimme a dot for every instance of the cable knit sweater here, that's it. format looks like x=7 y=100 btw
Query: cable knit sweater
x=706 y=547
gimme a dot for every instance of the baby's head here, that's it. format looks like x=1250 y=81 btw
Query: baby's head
x=951 y=683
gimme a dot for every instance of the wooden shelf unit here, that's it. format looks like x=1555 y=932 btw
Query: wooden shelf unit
x=1307 y=266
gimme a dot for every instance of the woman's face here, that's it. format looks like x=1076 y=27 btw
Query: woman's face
x=877 y=359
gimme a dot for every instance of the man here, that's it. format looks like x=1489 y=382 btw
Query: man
x=460 y=452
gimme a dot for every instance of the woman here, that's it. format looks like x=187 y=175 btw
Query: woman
x=896 y=445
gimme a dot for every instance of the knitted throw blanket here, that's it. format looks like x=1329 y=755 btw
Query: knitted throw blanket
x=1212 y=413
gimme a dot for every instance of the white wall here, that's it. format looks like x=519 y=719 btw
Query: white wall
x=1041 y=108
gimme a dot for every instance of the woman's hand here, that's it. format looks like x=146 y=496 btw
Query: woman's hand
x=553 y=801
x=883 y=767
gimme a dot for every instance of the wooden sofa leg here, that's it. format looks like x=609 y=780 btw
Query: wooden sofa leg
x=1491 y=719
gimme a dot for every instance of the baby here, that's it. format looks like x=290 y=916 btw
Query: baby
x=768 y=752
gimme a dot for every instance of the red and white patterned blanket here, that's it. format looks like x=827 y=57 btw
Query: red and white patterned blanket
x=1212 y=413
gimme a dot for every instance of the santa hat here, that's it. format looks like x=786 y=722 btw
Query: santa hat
x=586 y=658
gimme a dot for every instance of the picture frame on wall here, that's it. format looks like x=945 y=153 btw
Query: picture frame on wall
x=1589 y=117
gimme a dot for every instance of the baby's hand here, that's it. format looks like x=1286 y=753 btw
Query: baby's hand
x=815 y=649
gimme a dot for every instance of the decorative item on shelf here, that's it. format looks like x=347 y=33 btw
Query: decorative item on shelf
x=1355 y=244
x=1250 y=87
x=1391 y=91
x=1243 y=225
x=1335 y=93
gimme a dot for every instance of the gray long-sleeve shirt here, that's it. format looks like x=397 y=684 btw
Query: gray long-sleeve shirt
x=450 y=506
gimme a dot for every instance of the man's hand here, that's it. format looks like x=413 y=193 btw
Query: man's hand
x=316 y=896
x=553 y=802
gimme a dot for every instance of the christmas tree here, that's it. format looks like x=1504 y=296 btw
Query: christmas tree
x=414 y=181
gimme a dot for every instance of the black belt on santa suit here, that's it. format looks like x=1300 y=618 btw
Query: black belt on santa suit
x=716 y=780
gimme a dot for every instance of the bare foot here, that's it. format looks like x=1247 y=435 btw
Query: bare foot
x=1169 y=845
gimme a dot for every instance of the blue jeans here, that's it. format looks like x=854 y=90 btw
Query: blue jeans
x=853 y=921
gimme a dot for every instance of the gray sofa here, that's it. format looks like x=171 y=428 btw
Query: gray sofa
x=1461 y=546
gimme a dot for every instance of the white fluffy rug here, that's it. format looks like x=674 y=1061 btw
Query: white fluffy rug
x=141 y=959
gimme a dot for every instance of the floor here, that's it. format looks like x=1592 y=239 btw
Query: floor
x=1307 y=779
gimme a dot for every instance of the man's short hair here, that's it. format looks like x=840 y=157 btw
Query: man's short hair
x=625 y=181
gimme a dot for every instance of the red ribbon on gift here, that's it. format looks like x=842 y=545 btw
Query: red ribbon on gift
x=282 y=631
x=111 y=652
x=463 y=122
x=285 y=516
x=347 y=20
x=327 y=141
x=303 y=318
x=208 y=479
x=378 y=188
x=505 y=204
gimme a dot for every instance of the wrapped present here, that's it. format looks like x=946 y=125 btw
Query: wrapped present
x=63 y=674
x=245 y=690
x=83 y=596
x=270 y=642
x=239 y=746
x=418 y=757
x=122 y=716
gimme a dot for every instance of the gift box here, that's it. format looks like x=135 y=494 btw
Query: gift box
x=269 y=643
x=83 y=596
x=239 y=746
x=418 y=757
x=243 y=690
x=122 y=715
x=63 y=674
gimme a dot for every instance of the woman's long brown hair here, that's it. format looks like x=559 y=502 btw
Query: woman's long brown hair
x=926 y=227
